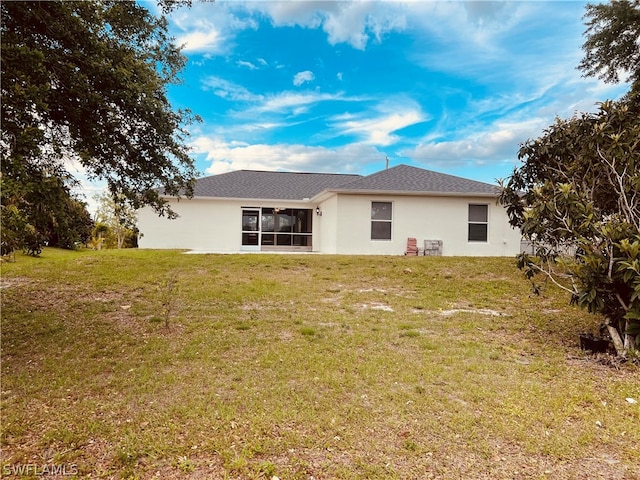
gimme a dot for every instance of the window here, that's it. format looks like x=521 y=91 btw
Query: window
x=250 y=227
x=478 y=223
x=268 y=225
x=380 y=220
x=277 y=227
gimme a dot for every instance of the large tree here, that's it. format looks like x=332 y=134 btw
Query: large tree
x=86 y=82
x=577 y=194
x=612 y=47
x=577 y=197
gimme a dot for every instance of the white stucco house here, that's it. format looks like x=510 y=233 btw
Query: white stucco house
x=253 y=211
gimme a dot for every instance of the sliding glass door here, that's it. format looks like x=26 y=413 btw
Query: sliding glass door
x=277 y=228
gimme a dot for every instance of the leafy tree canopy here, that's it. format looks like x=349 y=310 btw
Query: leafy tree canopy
x=86 y=82
x=612 y=47
x=40 y=210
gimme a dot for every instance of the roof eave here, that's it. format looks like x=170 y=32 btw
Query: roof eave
x=240 y=199
x=327 y=193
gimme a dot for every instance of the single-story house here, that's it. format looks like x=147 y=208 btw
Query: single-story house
x=252 y=211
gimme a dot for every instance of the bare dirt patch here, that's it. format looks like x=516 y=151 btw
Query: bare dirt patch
x=13 y=282
x=454 y=311
x=374 y=306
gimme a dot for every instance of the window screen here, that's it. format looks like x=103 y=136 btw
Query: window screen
x=381 y=220
x=478 y=223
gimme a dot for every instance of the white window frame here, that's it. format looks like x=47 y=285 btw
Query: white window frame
x=471 y=222
x=378 y=220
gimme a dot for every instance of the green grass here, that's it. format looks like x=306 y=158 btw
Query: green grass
x=148 y=364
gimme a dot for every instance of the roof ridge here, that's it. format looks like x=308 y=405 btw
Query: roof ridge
x=296 y=173
x=409 y=178
x=376 y=173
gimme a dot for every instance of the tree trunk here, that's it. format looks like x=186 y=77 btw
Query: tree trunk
x=629 y=342
x=621 y=351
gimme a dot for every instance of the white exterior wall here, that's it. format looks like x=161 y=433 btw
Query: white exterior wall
x=344 y=228
x=213 y=225
x=423 y=218
x=202 y=225
x=325 y=228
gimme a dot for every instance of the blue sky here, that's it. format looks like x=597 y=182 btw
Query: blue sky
x=339 y=86
x=330 y=86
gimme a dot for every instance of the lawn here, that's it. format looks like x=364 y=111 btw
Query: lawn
x=148 y=364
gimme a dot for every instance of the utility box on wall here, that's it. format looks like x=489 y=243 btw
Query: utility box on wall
x=432 y=248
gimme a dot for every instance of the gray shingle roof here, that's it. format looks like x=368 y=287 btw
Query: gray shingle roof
x=298 y=186
x=269 y=185
x=404 y=178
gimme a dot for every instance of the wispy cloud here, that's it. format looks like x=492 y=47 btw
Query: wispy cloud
x=208 y=29
x=376 y=124
x=286 y=102
x=228 y=156
x=249 y=65
x=229 y=90
x=293 y=103
x=378 y=130
x=303 y=77
x=496 y=143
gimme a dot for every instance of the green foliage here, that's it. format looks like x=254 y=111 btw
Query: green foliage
x=40 y=211
x=86 y=82
x=117 y=222
x=73 y=226
x=13 y=226
x=577 y=197
x=612 y=44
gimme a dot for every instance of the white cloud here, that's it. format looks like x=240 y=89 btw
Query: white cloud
x=207 y=27
x=494 y=144
x=377 y=126
x=307 y=14
x=378 y=131
x=199 y=41
x=303 y=77
x=293 y=102
x=249 y=65
x=229 y=90
x=354 y=23
x=229 y=156
x=285 y=102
